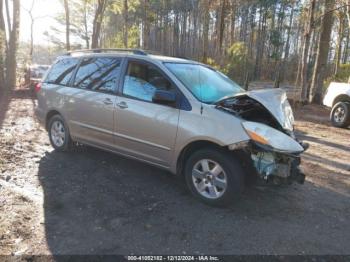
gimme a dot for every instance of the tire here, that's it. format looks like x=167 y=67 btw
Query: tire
x=340 y=114
x=207 y=183
x=59 y=134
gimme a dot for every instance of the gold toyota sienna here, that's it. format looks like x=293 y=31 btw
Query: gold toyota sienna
x=173 y=113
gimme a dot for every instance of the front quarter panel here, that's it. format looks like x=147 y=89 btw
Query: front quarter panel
x=213 y=125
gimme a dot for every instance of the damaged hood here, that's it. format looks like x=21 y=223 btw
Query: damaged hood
x=275 y=100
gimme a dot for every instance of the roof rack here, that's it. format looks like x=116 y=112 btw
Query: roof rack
x=106 y=50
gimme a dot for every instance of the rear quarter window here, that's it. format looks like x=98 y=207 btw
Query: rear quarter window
x=62 y=71
x=98 y=74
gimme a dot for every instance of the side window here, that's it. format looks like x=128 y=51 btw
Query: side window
x=62 y=71
x=141 y=81
x=98 y=74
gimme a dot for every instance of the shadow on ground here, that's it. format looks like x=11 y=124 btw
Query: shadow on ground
x=99 y=203
x=309 y=138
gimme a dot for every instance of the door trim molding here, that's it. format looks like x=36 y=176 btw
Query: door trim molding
x=92 y=127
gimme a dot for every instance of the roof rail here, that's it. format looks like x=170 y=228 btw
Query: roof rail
x=106 y=50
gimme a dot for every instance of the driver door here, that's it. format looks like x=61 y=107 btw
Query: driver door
x=144 y=129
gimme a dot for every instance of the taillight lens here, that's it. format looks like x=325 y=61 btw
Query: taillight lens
x=37 y=87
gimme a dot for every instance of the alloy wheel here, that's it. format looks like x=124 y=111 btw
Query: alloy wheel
x=339 y=115
x=58 y=133
x=209 y=178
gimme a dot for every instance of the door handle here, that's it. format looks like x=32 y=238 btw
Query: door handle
x=122 y=105
x=107 y=101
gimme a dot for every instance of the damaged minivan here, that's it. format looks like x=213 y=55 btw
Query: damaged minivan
x=173 y=113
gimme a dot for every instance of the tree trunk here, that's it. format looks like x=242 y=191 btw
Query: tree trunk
x=86 y=30
x=279 y=48
x=66 y=10
x=249 y=56
x=183 y=34
x=244 y=24
x=233 y=22
x=348 y=18
x=222 y=15
x=339 y=43
x=251 y=38
x=313 y=48
x=298 y=51
x=31 y=39
x=195 y=33
x=346 y=48
x=8 y=16
x=205 y=30
x=260 y=42
x=306 y=45
x=145 y=25
x=2 y=48
x=126 y=23
x=322 y=54
x=176 y=35
x=97 y=23
x=287 y=47
x=165 y=30
x=11 y=64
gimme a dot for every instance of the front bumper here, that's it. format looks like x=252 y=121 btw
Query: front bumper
x=276 y=167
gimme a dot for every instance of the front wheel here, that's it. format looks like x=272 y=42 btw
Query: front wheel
x=214 y=176
x=59 y=134
x=340 y=115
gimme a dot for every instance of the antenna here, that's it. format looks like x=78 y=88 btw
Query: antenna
x=200 y=90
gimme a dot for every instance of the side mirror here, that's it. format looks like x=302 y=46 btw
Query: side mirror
x=164 y=97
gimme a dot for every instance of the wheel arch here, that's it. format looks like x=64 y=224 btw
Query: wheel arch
x=192 y=147
x=50 y=114
x=341 y=98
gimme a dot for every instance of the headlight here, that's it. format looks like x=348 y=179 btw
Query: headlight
x=266 y=135
x=288 y=113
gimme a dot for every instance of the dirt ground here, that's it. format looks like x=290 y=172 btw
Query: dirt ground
x=92 y=202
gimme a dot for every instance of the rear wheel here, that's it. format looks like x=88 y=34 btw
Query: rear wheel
x=340 y=114
x=59 y=134
x=214 y=176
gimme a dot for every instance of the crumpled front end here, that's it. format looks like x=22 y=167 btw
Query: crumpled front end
x=273 y=150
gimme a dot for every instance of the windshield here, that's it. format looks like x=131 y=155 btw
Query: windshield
x=206 y=84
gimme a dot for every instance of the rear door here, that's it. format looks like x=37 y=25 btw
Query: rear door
x=92 y=99
x=144 y=129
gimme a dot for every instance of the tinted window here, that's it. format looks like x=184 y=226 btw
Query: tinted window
x=141 y=81
x=62 y=71
x=99 y=74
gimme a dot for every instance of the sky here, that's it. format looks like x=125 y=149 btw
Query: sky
x=46 y=10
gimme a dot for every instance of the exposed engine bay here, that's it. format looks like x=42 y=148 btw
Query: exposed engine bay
x=271 y=165
x=249 y=109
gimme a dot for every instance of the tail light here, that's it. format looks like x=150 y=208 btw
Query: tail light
x=37 y=87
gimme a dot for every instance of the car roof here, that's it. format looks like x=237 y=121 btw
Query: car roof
x=171 y=59
x=132 y=53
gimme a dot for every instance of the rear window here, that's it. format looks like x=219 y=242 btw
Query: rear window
x=98 y=74
x=62 y=71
